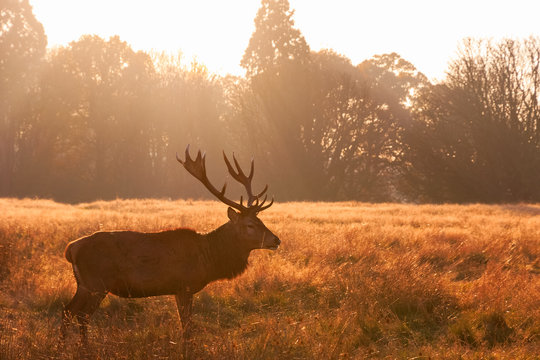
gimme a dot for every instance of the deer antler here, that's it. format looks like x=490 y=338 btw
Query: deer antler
x=239 y=176
x=197 y=168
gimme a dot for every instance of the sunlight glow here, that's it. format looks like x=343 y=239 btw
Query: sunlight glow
x=217 y=32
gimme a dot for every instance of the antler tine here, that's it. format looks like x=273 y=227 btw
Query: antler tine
x=239 y=176
x=187 y=153
x=261 y=207
x=262 y=192
x=252 y=170
x=187 y=156
x=179 y=160
x=223 y=189
x=238 y=168
x=229 y=167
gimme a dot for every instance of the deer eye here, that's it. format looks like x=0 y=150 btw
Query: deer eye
x=251 y=227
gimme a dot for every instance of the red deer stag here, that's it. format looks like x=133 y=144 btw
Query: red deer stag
x=174 y=262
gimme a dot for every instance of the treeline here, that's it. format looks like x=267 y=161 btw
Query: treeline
x=97 y=120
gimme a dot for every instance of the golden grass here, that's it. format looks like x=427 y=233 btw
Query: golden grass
x=351 y=280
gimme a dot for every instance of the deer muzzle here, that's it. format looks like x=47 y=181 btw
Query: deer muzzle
x=270 y=241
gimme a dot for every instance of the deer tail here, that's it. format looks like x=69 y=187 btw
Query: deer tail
x=68 y=254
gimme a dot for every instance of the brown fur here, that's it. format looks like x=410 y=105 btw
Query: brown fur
x=174 y=262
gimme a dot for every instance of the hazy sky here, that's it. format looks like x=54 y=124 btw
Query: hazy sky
x=425 y=32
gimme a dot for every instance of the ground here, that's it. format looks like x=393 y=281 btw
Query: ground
x=350 y=280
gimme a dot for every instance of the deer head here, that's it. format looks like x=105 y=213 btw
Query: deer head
x=249 y=229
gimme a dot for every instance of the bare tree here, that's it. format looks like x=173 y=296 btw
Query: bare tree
x=479 y=128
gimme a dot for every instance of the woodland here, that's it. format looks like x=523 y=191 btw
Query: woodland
x=97 y=120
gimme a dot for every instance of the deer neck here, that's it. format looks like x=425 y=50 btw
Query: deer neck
x=229 y=258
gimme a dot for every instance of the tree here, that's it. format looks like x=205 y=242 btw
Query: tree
x=22 y=47
x=400 y=79
x=358 y=123
x=277 y=64
x=90 y=131
x=475 y=136
x=275 y=41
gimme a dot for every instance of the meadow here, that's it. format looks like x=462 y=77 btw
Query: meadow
x=350 y=281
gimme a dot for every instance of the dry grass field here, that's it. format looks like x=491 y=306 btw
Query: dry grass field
x=350 y=281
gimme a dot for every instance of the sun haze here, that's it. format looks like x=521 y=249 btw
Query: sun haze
x=217 y=32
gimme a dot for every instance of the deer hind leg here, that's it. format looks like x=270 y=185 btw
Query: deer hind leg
x=91 y=305
x=72 y=309
x=82 y=306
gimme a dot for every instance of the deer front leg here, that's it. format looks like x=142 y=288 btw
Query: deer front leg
x=184 y=302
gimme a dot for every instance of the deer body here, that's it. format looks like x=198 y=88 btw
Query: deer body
x=175 y=262
x=135 y=264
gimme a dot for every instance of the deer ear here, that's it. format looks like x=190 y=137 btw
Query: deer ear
x=233 y=215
